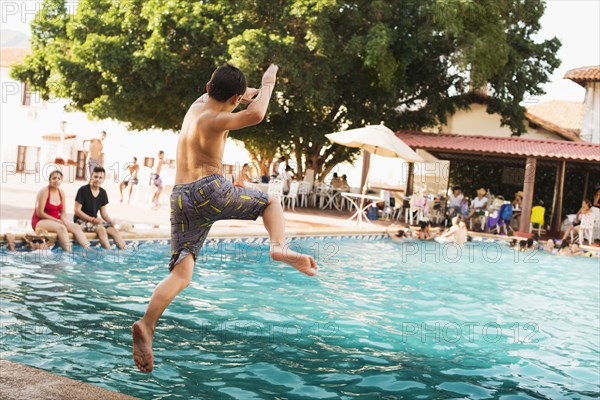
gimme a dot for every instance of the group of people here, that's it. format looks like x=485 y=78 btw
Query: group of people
x=458 y=204
x=131 y=179
x=50 y=213
x=457 y=233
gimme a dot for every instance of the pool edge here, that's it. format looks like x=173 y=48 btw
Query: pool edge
x=20 y=381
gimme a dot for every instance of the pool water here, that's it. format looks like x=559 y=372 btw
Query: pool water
x=382 y=320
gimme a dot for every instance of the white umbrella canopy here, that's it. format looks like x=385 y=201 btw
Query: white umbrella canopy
x=376 y=139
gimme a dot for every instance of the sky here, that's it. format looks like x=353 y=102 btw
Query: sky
x=575 y=22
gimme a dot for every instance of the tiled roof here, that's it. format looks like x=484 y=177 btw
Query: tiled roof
x=584 y=74
x=11 y=55
x=562 y=117
x=501 y=146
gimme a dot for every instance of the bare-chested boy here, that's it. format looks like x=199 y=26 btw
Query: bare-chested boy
x=202 y=195
x=95 y=154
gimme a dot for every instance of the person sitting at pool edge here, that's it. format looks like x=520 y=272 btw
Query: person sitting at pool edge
x=457 y=232
x=90 y=199
x=40 y=240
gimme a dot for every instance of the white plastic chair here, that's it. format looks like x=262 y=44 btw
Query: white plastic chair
x=586 y=228
x=596 y=213
x=276 y=190
x=292 y=196
x=388 y=211
x=325 y=193
x=409 y=213
x=304 y=193
x=482 y=219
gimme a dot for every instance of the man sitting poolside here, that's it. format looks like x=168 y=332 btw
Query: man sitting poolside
x=90 y=199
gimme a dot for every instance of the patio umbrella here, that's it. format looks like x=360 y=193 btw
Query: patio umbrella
x=376 y=139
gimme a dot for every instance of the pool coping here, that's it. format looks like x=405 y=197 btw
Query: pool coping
x=260 y=236
x=20 y=381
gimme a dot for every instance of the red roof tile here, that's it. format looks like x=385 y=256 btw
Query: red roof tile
x=11 y=55
x=502 y=146
x=584 y=74
x=562 y=117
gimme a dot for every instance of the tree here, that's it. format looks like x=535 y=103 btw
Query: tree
x=343 y=63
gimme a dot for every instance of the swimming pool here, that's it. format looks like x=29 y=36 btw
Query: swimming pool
x=382 y=319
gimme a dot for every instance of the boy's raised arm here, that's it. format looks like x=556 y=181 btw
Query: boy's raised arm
x=261 y=103
x=256 y=111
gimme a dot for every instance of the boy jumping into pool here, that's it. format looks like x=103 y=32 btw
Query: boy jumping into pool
x=202 y=195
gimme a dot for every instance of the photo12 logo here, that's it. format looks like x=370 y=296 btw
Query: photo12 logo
x=455 y=332
x=24 y=12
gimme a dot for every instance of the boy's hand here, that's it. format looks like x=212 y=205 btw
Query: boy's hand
x=270 y=75
x=248 y=97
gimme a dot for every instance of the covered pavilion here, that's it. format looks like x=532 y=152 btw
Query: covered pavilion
x=512 y=152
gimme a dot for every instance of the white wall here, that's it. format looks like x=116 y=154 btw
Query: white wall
x=477 y=121
x=590 y=131
x=25 y=125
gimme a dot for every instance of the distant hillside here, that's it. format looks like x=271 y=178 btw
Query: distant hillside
x=10 y=38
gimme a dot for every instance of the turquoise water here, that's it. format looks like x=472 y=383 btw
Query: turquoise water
x=381 y=320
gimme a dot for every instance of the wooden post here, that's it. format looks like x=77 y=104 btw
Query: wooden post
x=410 y=179
x=528 y=188
x=557 y=200
x=585 y=184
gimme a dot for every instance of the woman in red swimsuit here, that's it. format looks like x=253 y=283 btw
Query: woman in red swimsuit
x=50 y=214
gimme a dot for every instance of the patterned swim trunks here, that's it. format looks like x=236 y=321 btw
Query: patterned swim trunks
x=156 y=180
x=196 y=206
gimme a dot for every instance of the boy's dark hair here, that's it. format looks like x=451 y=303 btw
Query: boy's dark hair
x=455 y=188
x=225 y=82
x=564 y=243
x=99 y=169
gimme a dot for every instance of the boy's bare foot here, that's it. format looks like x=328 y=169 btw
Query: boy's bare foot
x=142 y=347
x=303 y=263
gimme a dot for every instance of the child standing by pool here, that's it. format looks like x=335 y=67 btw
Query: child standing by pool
x=202 y=195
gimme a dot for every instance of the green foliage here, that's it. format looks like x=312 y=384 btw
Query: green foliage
x=343 y=64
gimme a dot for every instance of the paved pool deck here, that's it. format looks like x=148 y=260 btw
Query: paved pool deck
x=18 y=382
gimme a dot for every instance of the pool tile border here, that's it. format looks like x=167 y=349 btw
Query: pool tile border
x=263 y=241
